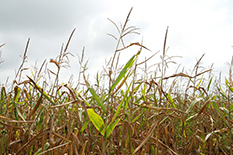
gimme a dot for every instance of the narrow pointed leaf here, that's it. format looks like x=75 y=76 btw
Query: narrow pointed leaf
x=208 y=88
x=226 y=111
x=123 y=72
x=41 y=90
x=219 y=112
x=96 y=97
x=136 y=118
x=120 y=105
x=35 y=107
x=84 y=126
x=199 y=83
x=192 y=104
x=171 y=100
x=111 y=127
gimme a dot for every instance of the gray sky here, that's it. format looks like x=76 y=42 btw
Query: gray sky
x=195 y=27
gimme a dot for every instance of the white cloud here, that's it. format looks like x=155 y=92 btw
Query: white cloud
x=195 y=27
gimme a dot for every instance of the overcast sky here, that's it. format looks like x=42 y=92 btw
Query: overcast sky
x=195 y=27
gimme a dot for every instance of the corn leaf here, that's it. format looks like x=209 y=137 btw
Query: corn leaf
x=136 y=118
x=171 y=101
x=192 y=104
x=122 y=101
x=110 y=127
x=199 y=83
x=35 y=107
x=84 y=126
x=123 y=71
x=46 y=146
x=213 y=132
x=97 y=121
x=219 y=112
x=208 y=88
x=44 y=93
x=229 y=85
x=96 y=97
x=226 y=111
x=97 y=79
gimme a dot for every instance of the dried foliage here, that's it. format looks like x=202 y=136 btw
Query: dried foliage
x=177 y=114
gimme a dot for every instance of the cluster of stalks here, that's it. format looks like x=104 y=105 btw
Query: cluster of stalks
x=155 y=114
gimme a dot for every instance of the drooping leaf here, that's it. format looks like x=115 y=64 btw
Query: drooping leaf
x=41 y=90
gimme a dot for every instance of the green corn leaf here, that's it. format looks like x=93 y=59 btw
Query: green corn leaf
x=40 y=120
x=19 y=113
x=222 y=92
x=48 y=98
x=136 y=118
x=229 y=85
x=97 y=121
x=208 y=88
x=231 y=107
x=219 y=112
x=192 y=104
x=128 y=65
x=123 y=82
x=171 y=100
x=46 y=145
x=110 y=127
x=84 y=126
x=96 y=97
x=143 y=93
x=120 y=105
x=137 y=87
x=97 y=79
x=191 y=117
x=226 y=111
x=84 y=100
x=200 y=81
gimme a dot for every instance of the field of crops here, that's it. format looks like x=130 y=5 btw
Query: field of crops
x=183 y=113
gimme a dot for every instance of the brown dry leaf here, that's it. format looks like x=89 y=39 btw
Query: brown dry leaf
x=2 y=45
x=164 y=145
x=55 y=62
x=204 y=107
x=131 y=44
x=147 y=137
